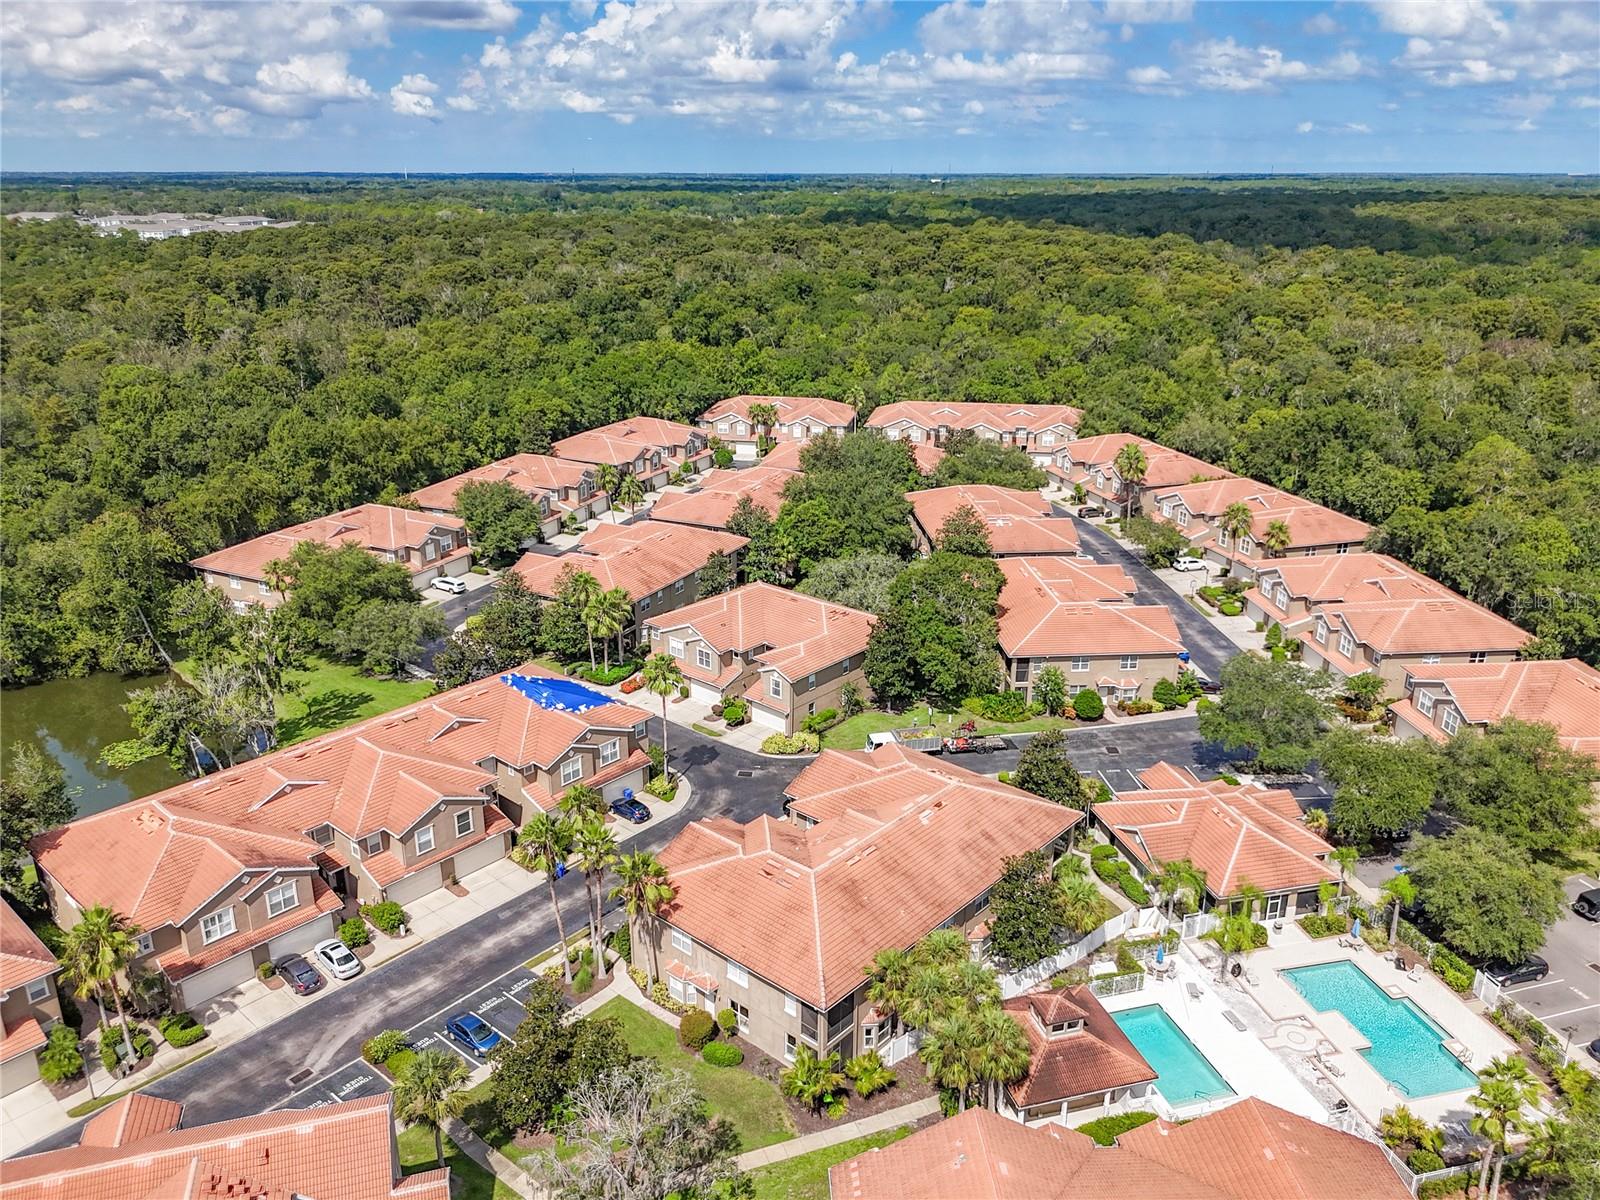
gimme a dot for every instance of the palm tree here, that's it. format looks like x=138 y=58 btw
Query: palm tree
x=1180 y=877
x=950 y=1052
x=887 y=978
x=1402 y=1127
x=544 y=844
x=606 y=478
x=1345 y=858
x=926 y=996
x=812 y=1080
x=1237 y=521
x=431 y=1092
x=98 y=949
x=631 y=493
x=1003 y=1054
x=1402 y=893
x=1131 y=465
x=1505 y=1087
x=582 y=803
x=664 y=677
x=606 y=614
x=1277 y=538
x=763 y=416
x=644 y=888
x=973 y=983
x=1251 y=896
x=596 y=848
x=585 y=587
x=943 y=948
x=1235 y=935
x=1316 y=820
x=1078 y=903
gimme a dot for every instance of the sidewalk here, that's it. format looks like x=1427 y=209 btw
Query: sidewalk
x=928 y=1106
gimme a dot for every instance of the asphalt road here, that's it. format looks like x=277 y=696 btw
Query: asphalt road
x=1568 y=999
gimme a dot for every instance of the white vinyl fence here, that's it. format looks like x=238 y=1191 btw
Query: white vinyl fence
x=1198 y=925
x=1485 y=989
x=1139 y=920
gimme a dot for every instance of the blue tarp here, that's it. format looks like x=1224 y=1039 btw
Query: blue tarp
x=559 y=695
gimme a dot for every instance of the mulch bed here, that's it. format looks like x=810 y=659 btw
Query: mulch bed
x=911 y=1084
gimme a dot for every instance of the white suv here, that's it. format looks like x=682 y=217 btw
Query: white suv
x=449 y=583
x=1185 y=563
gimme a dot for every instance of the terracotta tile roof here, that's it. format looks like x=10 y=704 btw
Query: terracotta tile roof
x=999 y=418
x=387 y=866
x=833 y=413
x=621 y=442
x=790 y=632
x=23 y=957
x=20 y=1037
x=131 y=1119
x=1038 y=618
x=340 y=1151
x=1426 y=625
x=1250 y=1150
x=179 y=963
x=1164 y=467
x=641 y=558
x=1019 y=522
x=926 y=456
x=547 y=800
x=1098 y=1057
x=1310 y=525
x=901 y=842
x=1233 y=833
x=1340 y=578
x=1564 y=694
x=374 y=527
x=537 y=475
x=720 y=492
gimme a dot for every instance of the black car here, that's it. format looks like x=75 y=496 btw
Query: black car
x=1509 y=974
x=1594 y=1049
x=1587 y=905
x=300 y=975
x=630 y=809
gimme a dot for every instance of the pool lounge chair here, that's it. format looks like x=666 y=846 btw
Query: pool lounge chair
x=1232 y=1018
x=1194 y=990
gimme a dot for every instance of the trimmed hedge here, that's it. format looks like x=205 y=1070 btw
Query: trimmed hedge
x=800 y=743
x=695 y=1029
x=1114 y=871
x=386 y=916
x=354 y=933
x=722 y=1054
x=383 y=1046
x=143 y=1044
x=180 y=1029
x=1318 y=926
x=1088 y=705
x=728 y=1021
x=1105 y=1130
x=1456 y=971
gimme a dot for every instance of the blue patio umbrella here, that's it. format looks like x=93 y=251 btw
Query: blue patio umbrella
x=1355 y=930
x=1161 y=953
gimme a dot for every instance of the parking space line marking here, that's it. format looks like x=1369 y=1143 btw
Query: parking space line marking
x=451 y=1042
x=1567 y=1013
x=1528 y=987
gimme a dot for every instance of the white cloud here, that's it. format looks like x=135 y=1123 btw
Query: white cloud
x=1586 y=102
x=1226 y=66
x=454 y=14
x=1304 y=127
x=1320 y=25
x=1461 y=43
x=83 y=102
x=1151 y=79
x=1344 y=128
x=413 y=97
x=302 y=84
x=462 y=103
x=1149 y=11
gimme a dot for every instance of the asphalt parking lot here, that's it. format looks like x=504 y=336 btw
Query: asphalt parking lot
x=1567 y=1000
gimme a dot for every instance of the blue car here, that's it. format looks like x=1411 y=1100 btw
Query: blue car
x=473 y=1032
x=630 y=809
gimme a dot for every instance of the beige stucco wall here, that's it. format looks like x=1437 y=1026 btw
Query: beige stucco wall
x=1151 y=668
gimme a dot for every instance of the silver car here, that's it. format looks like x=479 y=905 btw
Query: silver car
x=335 y=958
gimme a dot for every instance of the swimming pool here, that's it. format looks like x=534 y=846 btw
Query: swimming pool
x=1184 y=1076
x=1407 y=1046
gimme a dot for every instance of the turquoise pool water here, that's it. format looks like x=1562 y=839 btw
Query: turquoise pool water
x=1184 y=1076
x=1407 y=1047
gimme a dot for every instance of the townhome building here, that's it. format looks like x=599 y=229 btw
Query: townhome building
x=1441 y=700
x=656 y=562
x=1038 y=428
x=648 y=448
x=799 y=418
x=1080 y=1063
x=1074 y=615
x=777 y=918
x=1198 y=511
x=1237 y=834
x=1092 y=463
x=786 y=456
x=789 y=655
x=1290 y=591
x=257 y=861
x=29 y=1002
x=711 y=504
x=559 y=486
x=137 y=1149
x=1250 y=1150
x=428 y=545
x=1018 y=522
x=1396 y=638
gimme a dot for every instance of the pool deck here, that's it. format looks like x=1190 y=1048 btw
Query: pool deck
x=1332 y=1047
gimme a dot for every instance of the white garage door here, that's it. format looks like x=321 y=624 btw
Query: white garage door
x=477 y=857
x=633 y=779
x=704 y=693
x=19 y=1072
x=300 y=941
x=768 y=718
x=197 y=989
x=416 y=886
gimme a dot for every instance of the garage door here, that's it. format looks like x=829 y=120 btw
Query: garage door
x=614 y=789
x=406 y=890
x=704 y=693
x=488 y=851
x=768 y=718
x=300 y=941
x=199 y=988
x=19 y=1072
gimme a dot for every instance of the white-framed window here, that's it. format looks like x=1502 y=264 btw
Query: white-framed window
x=788 y=1047
x=373 y=844
x=463 y=822
x=1283 y=596
x=1130 y=662
x=737 y=974
x=1347 y=644
x=845 y=665
x=741 y=1016
x=1078 y=665
x=216 y=926
x=147 y=944
x=791 y=1007
x=1450 y=720
x=722 y=427
x=644 y=605
x=678 y=989
x=1022 y=669
x=38 y=990
x=1429 y=660
x=235 y=582
x=571 y=770
x=1047 y=439
x=1183 y=518
x=264 y=588
x=1478 y=656
x=1322 y=634
x=869 y=1036
x=1425 y=703
x=1166 y=510
x=1247 y=546
x=424 y=839
x=447 y=543
x=610 y=751
x=1222 y=538
x=811 y=682
x=702 y=657
x=282 y=898
x=775 y=686
x=678 y=587
x=681 y=942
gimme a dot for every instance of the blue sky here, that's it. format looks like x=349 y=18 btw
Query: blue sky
x=811 y=85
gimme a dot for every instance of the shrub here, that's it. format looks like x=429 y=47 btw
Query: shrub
x=607 y=675
x=1318 y=926
x=869 y=1074
x=683 y=691
x=696 y=1028
x=728 y=1021
x=800 y=743
x=735 y=711
x=722 y=1054
x=1105 y=1130
x=660 y=995
x=584 y=979
x=1453 y=969
x=821 y=722
x=264 y=970
x=1001 y=706
x=622 y=942
x=836 y=1106
x=662 y=788
x=1088 y=705
x=1166 y=694
x=1423 y=1160
x=386 y=916
x=354 y=933
x=640 y=979
x=381 y=1047
x=61 y=1060
x=1114 y=871
x=180 y=1029
x=1450 y=1185
x=143 y=1044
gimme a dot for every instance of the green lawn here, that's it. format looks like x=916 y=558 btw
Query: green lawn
x=805 y=1177
x=331 y=695
x=851 y=734
x=753 y=1105
x=468 y=1181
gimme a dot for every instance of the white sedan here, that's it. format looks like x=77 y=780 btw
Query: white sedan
x=1185 y=563
x=336 y=959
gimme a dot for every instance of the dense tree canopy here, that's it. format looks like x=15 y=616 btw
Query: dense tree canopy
x=1418 y=353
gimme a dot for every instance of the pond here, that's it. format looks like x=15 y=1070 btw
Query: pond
x=72 y=720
